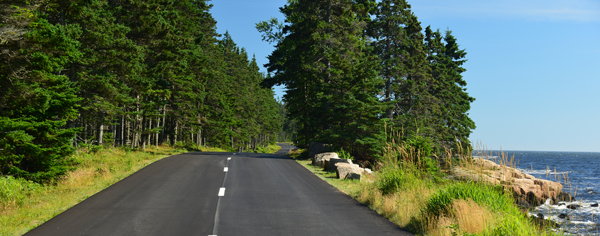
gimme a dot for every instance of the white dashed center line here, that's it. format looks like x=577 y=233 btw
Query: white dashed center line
x=221 y=194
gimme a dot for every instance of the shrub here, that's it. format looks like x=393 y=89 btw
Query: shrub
x=390 y=179
x=486 y=195
x=345 y=155
x=13 y=191
x=421 y=145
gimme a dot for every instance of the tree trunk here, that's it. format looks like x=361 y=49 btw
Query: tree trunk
x=121 y=125
x=146 y=136
x=231 y=129
x=114 y=133
x=176 y=133
x=157 y=133
x=198 y=138
x=162 y=131
x=192 y=134
x=173 y=130
x=388 y=97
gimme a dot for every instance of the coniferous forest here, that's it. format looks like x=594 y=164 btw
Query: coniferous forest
x=122 y=73
x=135 y=73
x=358 y=70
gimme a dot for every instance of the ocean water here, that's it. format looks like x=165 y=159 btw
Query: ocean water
x=578 y=172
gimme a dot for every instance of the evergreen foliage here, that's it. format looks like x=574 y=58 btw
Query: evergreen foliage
x=151 y=72
x=323 y=58
x=122 y=73
x=446 y=59
x=352 y=66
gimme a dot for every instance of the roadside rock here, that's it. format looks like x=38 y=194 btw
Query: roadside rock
x=348 y=171
x=315 y=148
x=525 y=187
x=320 y=159
x=333 y=162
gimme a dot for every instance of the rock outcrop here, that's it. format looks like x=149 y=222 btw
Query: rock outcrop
x=527 y=190
x=315 y=148
x=332 y=163
x=348 y=171
x=322 y=159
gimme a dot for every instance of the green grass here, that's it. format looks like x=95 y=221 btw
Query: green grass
x=490 y=196
x=508 y=219
x=272 y=148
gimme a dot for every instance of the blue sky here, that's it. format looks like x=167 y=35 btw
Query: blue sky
x=533 y=65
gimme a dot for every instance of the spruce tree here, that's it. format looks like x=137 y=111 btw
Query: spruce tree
x=325 y=63
x=446 y=59
x=387 y=29
x=37 y=100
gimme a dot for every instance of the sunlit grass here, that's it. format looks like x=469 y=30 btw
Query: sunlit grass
x=271 y=148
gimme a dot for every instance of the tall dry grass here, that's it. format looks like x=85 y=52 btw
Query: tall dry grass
x=399 y=207
x=408 y=190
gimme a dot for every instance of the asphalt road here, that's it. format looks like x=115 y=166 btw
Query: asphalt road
x=261 y=194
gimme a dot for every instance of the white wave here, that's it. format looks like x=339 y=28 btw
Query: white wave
x=583 y=222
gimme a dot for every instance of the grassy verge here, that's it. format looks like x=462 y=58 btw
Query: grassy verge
x=272 y=148
x=428 y=204
x=24 y=205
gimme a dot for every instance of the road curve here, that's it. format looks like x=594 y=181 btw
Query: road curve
x=262 y=194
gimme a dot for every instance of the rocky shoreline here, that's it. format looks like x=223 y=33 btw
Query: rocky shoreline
x=529 y=192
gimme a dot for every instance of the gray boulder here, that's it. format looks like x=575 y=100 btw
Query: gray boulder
x=332 y=162
x=320 y=159
x=315 y=148
x=348 y=171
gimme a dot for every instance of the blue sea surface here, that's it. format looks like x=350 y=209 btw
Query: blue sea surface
x=578 y=172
